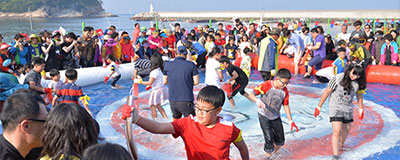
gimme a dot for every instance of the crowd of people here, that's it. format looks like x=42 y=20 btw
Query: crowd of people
x=174 y=57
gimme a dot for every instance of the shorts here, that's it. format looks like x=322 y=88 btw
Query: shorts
x=317 y=62
x=340 y=119
x=115 y=80
x=157 y=96
x=273 y=132
x=179 y=108
x=339 y=115
x=238 y=87
x=297 y=56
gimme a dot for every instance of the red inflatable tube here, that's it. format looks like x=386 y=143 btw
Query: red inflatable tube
x=374 y=73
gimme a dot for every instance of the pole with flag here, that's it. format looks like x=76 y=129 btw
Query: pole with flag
x=384 y=26
x=308 y=22
x=329 y=21
x=373 y=25
x=83 y=26
x=209 y=23
x=156 y=24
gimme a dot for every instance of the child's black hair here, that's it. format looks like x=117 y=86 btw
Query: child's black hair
x=314 y=30
x=214 y=51
x=320 y=29
x=19 y=66
x=341 y=50
x=38 y=61
x=358 y=70
x=341 y=42
x=213 y=95
x=88 y=28
x=71 y=74
x=114 y=35
x=156 y=62
x=388 y=37
x=305 y=29
x=111 y=57
x=26 y=67
x=284 y=73
x=286 y=32
x=220 y=24
x=177 y=24
x=54 y=72
x=224 y=59
x=71 y=35
x=246 y=50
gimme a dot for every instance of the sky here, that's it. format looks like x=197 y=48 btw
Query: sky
x=137 y=6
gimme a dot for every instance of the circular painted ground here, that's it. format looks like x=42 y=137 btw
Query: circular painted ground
x=376 y=133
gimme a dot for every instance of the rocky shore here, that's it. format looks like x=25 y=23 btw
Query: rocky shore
x=65 y=13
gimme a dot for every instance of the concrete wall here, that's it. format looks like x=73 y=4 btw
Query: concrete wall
x=286 y=14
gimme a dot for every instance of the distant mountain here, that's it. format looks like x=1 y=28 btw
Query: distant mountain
x=55 y=8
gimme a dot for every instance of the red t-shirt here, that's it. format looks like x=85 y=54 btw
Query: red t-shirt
x=219 y=43
x=170 y=41
x=273 y=99
x=206 y=143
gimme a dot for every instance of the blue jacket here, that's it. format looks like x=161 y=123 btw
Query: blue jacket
x=141 y=52
x=32 y=51
x=21 y=57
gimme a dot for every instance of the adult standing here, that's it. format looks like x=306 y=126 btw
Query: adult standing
x=22 y=119
x=68 y=49
x=87 y=48
x=357 y=33
x=343 y=35
x=181 y=76
x=136 y=32
x=319 y=49
x=49 y=48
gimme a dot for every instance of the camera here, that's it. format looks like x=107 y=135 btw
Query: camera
x=25 y=44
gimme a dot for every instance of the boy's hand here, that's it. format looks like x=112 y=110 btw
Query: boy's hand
x=293 y=125
x=316 y=112
x=361 y=114
x=128 y=111
x=106 y=79
x=260 y=104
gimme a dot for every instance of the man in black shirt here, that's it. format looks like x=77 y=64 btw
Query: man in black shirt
x=238 y=78
x=22 y=118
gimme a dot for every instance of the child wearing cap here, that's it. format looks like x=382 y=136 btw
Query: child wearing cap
x=128 y=52
x=197 y=130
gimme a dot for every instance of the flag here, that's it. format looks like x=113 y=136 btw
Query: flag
x=100 y=32
x=368 y=21
x=332 y=24
x=345 y=22
x=316 y=23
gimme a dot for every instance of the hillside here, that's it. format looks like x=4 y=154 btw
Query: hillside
x=53 y=8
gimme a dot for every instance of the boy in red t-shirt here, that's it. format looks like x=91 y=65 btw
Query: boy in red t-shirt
x=206 y=136
x=274 y=94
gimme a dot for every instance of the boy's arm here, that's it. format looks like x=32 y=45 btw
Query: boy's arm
x=86 y=107
x=165 y=80
x=242 y=147
x=33 y=86
x=234 y=76
x=53 y=102
x=333 y=68
x=221 y=77
x=287 y=111
x=196 y=80
x=155 y=127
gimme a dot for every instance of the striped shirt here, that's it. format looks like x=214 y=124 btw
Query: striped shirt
x=70 y=93
x=142 y=64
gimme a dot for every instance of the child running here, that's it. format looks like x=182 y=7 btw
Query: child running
x=206 y=136
x=70 y=92
x=213 y=69
x=341 y=90
x=156 y=82
x=238 y=78
x=274 y=94
x=115 y=73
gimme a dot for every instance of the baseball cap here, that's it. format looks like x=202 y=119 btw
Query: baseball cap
x=181 y=50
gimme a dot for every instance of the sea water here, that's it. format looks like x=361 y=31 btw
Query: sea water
x=10 y=27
